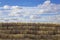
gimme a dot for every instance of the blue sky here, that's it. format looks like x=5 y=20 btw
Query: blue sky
x=25 y=2
x=30 y=11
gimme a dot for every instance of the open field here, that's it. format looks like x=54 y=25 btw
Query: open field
x=29 y=31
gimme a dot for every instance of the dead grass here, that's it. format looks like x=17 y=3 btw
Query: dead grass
x=29 y=31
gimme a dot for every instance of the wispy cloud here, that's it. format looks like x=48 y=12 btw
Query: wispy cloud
x=46 y=12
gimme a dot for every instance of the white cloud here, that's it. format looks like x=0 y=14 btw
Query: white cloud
x=0 y=13
x=14 y=12
x=34 y=14
x=15 y=7
x=48 y=7
x=6 y=7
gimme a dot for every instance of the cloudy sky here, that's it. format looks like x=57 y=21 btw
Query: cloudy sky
x=30 y=11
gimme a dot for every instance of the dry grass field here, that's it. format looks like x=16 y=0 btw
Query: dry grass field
x=29 y=31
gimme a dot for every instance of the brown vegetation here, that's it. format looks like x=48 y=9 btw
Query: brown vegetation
x=29 y=31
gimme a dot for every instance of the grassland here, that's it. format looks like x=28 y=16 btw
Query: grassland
x=29 y=31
